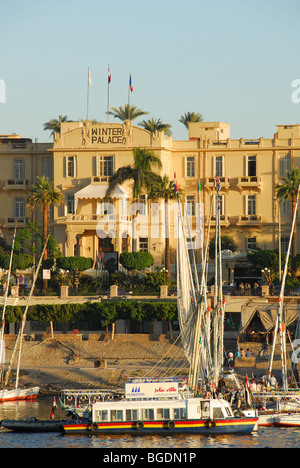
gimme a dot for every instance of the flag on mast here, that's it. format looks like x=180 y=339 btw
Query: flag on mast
x=90 y=77
x=109 y=75
x=130 y=83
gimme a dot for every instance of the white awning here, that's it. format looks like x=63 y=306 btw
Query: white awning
x=98 y=191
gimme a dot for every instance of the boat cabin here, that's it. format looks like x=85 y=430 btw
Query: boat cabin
x=161 y=410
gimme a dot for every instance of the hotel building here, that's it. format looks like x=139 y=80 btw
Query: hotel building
x=84 y=156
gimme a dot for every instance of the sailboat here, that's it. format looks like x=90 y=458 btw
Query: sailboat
x=17 y=393
x=172 y=405
x=286 y=400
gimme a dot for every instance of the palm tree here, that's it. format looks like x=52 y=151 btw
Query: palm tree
x=140 y=172
x=45 y=195
x=127 y=112
x=164 y=188
x=190 y=117
x=54 y=124
x=288 y=191
x=156 y=126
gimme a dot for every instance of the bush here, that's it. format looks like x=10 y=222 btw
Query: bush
x=74 y=263
x=136 y=260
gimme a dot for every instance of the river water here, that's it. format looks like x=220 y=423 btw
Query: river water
x=264 y=438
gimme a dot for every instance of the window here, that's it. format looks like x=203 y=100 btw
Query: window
x=219 y=166
x=251 y=243
x=251 y=166
x=251 y=205
x=190 y=166
x=190 y=207
x=163 y=413
x=19 y=207
x=19 y=169
x=116 y=415
x=48 y=168
x=104 y=166
x=70 y=204
x=179 y=413
x=71 y=166
x=142 y=205
x=101 y=415
x=131 y=415
x=284 y=244
x=147 y=414
x=284 y=165
x=218 y=413
x=285 y=207
x=143 y=244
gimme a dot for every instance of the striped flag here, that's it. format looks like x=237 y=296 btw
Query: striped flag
x=130 y=83
x=109 y=76
x=90 y=78
x=54 y=407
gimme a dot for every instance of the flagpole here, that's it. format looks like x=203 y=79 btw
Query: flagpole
x=129 y=91
x=88 y=95
x=108 y=81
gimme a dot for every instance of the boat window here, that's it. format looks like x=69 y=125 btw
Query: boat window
x=205 y=409
x=163 y=413
x=179 y=413
x=131 y=415
x=228 y=411
x=147 y=414
x=218 y=413
x=116 y=415
x=101 y=415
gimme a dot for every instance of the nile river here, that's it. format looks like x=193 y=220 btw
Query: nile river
x=265 y=438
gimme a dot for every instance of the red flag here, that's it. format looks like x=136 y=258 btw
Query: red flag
x=130 y=83
x=53 y=408
x=109 y=76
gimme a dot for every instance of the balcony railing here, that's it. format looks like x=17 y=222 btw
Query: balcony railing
x=249 y=219
x=17 y=184
x=22 y=220
x=254 y=182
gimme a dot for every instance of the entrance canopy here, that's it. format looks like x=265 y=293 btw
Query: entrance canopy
x=99 y=191
x=267 y=314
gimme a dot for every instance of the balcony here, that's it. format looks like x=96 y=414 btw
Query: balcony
x=10 y=222
x=98 y=179
x=91 y=218
x=17 y=184
x=249 y=182
x=224 y=220
x=210 y=183
x=249 y=220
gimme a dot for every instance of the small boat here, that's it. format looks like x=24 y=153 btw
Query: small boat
x=19 y=394
x=35 y=425
x=287 y=420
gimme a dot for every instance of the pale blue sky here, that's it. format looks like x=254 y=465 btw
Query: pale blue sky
x=231 y=61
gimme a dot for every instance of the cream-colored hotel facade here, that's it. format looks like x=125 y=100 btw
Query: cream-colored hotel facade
x=83 y=157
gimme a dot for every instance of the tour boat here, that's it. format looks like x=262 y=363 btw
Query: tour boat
x=165 y=414
x=287 y=420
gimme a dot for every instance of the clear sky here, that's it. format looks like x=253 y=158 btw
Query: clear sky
x=233 y=61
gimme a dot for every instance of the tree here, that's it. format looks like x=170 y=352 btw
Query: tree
x=127 y=112
x=164 y=188
x=227 y=243
x=45 y=195
x=140 y=172
x=190 y=117
x=156 y=126
x=288 y=191
x=54 y=124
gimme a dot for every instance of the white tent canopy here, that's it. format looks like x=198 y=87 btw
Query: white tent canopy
x=99 y=191
x=267 y=314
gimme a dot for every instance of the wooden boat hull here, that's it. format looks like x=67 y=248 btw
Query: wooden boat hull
x=201 y=427
x=19 y=394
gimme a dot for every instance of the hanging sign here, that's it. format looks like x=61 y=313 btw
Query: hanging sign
x=152 y=390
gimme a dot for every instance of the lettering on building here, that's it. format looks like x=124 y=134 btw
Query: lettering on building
x=108 y=135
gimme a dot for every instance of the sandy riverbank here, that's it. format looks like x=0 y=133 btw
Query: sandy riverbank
x=54 y=365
